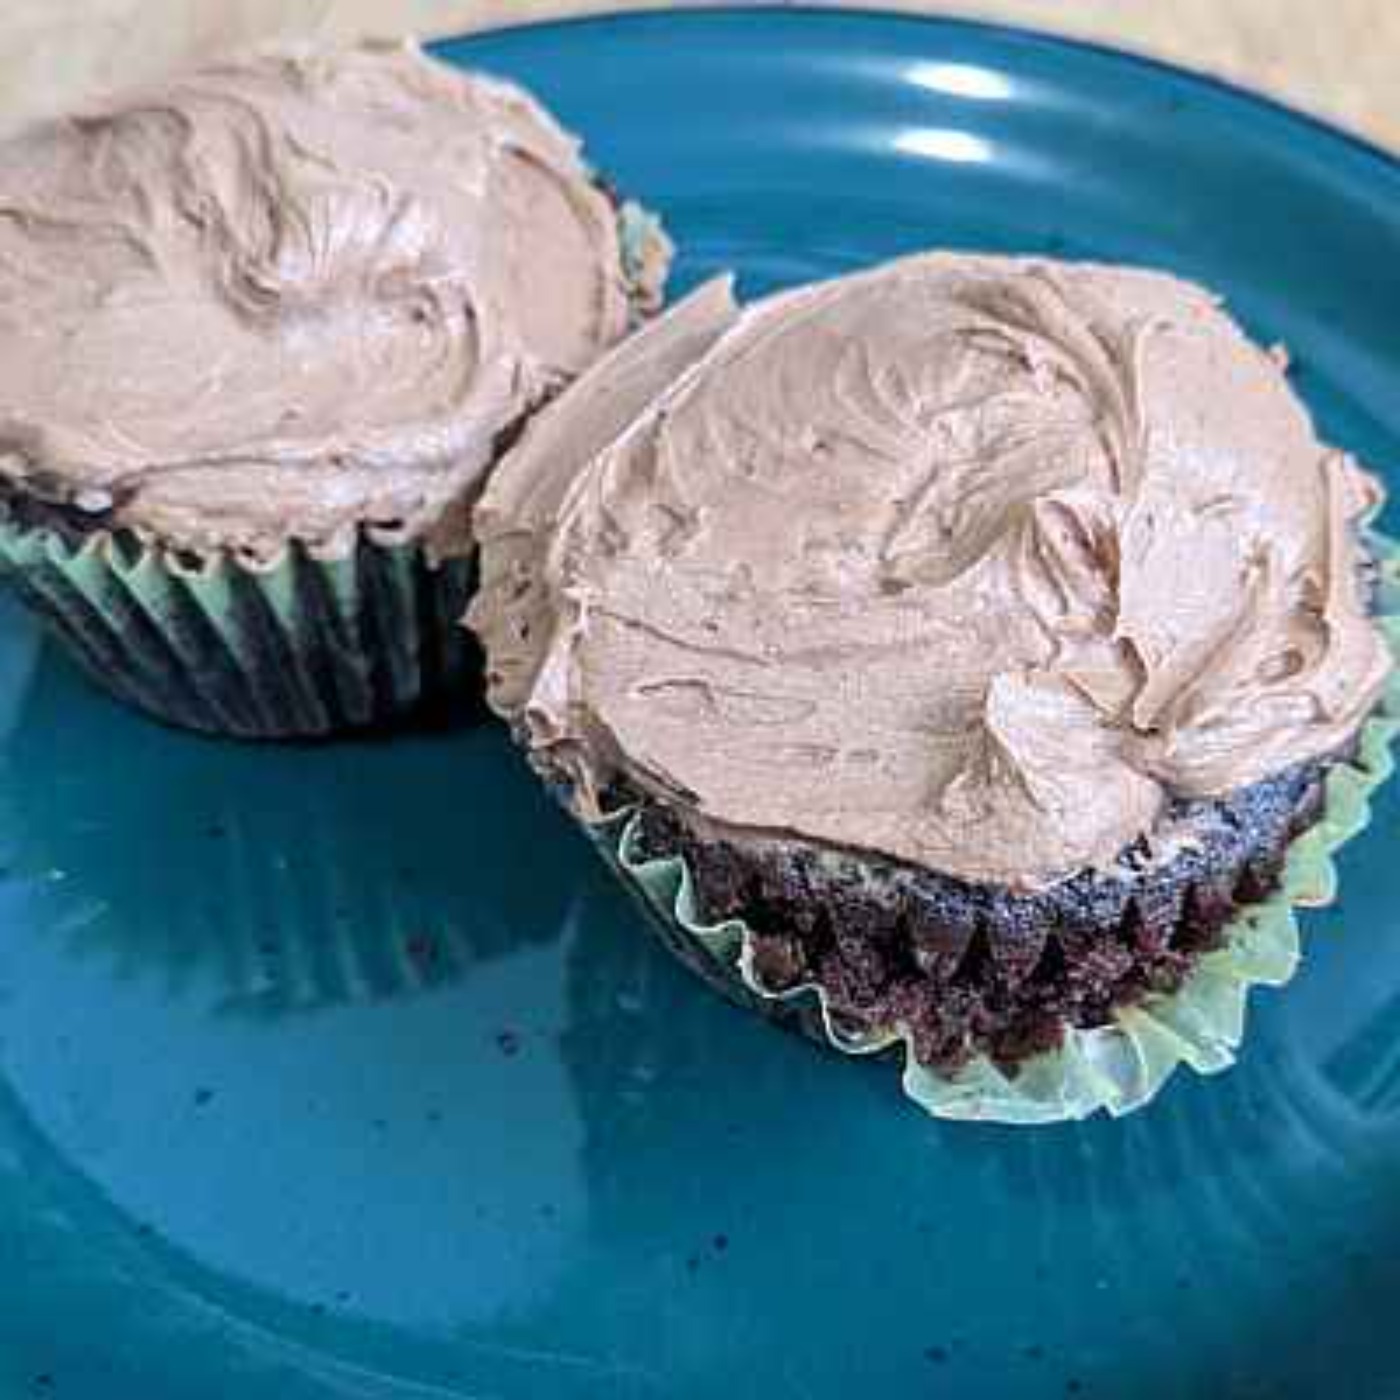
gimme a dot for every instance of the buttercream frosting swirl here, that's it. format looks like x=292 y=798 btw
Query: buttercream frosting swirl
x=293 y=294
x=970 y=562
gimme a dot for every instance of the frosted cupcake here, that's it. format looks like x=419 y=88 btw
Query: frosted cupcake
x=264 y=330
x=973 y=657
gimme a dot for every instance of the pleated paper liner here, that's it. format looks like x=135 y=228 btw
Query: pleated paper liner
x=1117 y=1067
x=646 y=254
x=306 y=646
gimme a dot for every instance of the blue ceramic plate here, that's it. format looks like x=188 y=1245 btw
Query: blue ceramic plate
x=345 y=1071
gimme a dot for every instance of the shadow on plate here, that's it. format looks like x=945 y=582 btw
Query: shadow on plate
x=300 y=875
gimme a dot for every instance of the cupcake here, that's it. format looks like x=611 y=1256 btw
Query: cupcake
x=974 y=658
x=266 y=328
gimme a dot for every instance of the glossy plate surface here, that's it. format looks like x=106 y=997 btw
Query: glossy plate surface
x=345 y=1071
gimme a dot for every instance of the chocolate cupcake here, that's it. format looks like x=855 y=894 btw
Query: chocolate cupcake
x=266 y=329
x=975 y=656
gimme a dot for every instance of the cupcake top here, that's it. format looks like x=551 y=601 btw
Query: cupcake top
x=969 y=562
x=291 y=295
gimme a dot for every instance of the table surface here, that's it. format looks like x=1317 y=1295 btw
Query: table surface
x=1337 y=59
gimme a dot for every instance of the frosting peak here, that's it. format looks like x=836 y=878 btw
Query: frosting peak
x=289 y=294
x=969 y=562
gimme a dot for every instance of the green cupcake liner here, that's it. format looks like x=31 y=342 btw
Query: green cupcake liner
x=646 y=252
x=304 y=647
x=1118 y=1067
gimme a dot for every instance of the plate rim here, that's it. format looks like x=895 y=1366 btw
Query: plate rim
x=684 y=11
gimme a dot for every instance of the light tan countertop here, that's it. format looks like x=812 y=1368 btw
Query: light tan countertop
x=1339 y=58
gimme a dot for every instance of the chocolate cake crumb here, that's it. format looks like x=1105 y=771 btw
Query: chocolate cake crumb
x=976 y=969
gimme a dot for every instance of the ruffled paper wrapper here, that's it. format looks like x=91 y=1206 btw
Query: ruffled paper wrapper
x=1115 y=1068
x=305 y=646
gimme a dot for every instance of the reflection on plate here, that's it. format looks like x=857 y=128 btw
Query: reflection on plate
x=292 y=877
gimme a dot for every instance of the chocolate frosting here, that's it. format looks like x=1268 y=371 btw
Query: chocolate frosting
x=293 y=294
x=968 y=562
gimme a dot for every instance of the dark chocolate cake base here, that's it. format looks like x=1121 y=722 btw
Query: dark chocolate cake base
x=974 y=969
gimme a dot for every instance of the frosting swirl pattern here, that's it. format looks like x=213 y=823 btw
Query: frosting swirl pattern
x=293 y=294
x=969 y=562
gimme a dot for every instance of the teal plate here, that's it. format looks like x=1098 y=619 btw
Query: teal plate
x=346 y=1071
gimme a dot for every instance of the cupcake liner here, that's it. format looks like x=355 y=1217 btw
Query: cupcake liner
x=646 y=254
x=305 y=646
x=1118 y=1067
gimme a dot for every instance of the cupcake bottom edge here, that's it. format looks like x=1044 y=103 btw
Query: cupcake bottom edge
x=305 y=649
x=1196 y=1018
